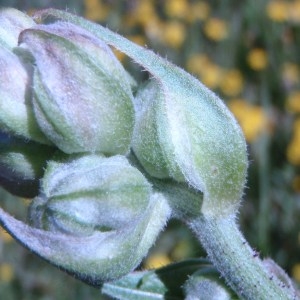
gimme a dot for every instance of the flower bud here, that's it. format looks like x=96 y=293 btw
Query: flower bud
x=96 y=217
x=22 y=165
x=16 y=114
x=82 y=96
x=89 y=193
x=12 y=22
x=189 y=140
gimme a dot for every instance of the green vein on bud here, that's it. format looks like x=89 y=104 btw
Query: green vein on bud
x=197 y=133
x=82 y=96
x=94 y=241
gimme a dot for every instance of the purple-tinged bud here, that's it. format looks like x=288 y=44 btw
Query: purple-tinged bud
x=82 y=95
x=16 y=114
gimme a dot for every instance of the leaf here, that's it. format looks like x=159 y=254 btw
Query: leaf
x=156 y=284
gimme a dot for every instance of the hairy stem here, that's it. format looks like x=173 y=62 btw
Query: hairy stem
x=237 y=262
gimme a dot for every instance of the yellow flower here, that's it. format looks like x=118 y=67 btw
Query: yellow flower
x=174 y=34
x=212 y=75
x=257 y=59
x=4 y=236
x=296 y=184
x=216 y=29
x=290 y=74
x=6 y=272
x=296 y=272
x=156 y=261
x=138 y=39
x=294 y=11
x=293 y=102
x=199 y=11
x=95 y=10
x=176 y=8
x=181 y=250
x=120 y=55
x=252 y=118
x=293 y=149
x=197 y=63
x=232 y=83
x=278 y=10
x=143 y=13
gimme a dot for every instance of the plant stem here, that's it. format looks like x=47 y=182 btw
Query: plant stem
x=237 y=262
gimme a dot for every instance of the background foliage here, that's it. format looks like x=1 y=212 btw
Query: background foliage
x=248 y=53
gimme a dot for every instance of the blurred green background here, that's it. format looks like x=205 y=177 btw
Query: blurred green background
x=248 y=52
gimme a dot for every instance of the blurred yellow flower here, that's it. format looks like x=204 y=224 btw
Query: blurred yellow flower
x=120 y=55
x=174 y=34
x=293 y=102
x=177 y=8
x=257 y=59
x=138 y=39
x=252 y=118
x=232 y=83
x=294 y=11
x=212 y=75
x=199 y=11
x=296 y=272
x=144 y=12
x=290 y=74
x=296 y=184
x=156 y=261
x=293 y=149
x=6 y=272
x=197 y=63
x=95 y=10
x=216 y=29
x=4 y=236
x=181 y=250
x=278 y=10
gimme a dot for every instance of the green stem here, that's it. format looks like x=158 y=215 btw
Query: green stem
x=237 y=262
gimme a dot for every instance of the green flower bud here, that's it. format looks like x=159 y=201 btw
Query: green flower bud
x=89 y=193
x=22 y=165
x=82 y=96
x=12 y=22
x=96 y=217
x=190 y=141
x=16 y=115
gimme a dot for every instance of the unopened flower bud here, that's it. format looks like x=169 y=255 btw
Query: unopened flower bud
x=16 y=114
x=22 y=165
x=187 y=134
x=89 y=193
x=97 y=217
x=12 y=22
x=82 y=96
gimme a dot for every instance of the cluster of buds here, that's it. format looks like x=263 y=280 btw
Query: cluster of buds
x=100 y=162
